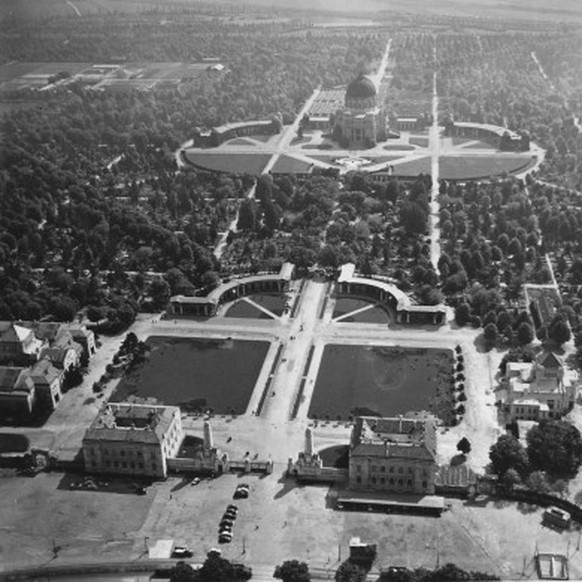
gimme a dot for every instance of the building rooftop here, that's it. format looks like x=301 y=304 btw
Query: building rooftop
x=362 y=87
x=132 y=423
x=394 y=437
x=13 y=379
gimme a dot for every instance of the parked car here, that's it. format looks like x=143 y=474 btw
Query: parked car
x=225 y=538
x=557 y=517
x=241 y=491
x=232 y=507
x=226 y=522
x=182 y=552
x=195 y=481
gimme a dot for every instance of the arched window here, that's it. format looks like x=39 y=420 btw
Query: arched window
x=382 y=481
x=358 y=479
x=373 y=480
x=424 y=484
x=409 y=482
x=400 y=482
x=391 y=482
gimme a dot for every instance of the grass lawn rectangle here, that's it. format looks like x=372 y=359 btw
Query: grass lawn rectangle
x=386 y=381
x=372 y=314
x=290 y=165
x=472 y=167
x=197 y=374
x=233 y=163
x=413 y=167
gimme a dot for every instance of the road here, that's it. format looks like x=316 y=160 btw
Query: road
x=434 y=146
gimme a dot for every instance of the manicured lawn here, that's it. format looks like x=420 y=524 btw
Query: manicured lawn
x=290 y=165
x=413 y=167
x=245 y=310
x=233 y=163
x=418 y=141
x=371 y=315
x=398 y=146
x=472 y=167
x=356 y=379
x=13 y=443
x=197 y=374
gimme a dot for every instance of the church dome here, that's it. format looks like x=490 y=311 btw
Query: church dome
x=361 y=87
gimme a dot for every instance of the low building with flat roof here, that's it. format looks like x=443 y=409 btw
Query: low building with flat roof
x=133 y=439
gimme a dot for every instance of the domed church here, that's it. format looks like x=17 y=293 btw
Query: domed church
x=361 y=123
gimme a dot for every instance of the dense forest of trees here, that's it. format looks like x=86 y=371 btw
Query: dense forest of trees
x=89 y=188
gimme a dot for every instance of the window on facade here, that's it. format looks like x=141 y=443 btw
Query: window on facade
x=154 y=466
x=139 y=454
x=115 y=464
x=400 y=482
x=124 y=464
x=358 y=468
x=373 y=480
x=424 y=484
x=383 y=469
x=409 y=482
x=400 y=470
x=390 y=469
x=140 y=465
x=108 y=464
x=94 y=463
x=132 y=465
x=391 y=481
x=382 y=481
x=358 y=479
x=122 y=453
x=410 y=470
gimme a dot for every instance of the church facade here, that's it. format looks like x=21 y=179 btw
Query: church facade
x=361 y=123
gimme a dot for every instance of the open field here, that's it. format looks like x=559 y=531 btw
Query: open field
x=125 y=76
x=193 y=373
x=356 y=380
x=473 y=167
x=278 y=521
x=223 y=162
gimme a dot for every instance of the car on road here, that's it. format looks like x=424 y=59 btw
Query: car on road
x=195 y=481
x=232 y=507
x=225 y=538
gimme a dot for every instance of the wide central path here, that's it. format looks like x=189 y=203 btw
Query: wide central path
x=434 y=145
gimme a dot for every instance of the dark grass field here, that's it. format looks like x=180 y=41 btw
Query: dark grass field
x=471 y=167
x=197 y=374
x=355 y=379
x=232 y=163
x=373 y=315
